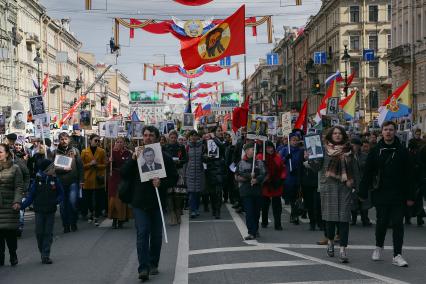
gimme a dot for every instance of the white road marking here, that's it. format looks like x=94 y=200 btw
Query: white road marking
x=245 y=265
x=181 y=269
x=238 y=223
x=227 y=249
x=106 y=223
x=288 y=209
x=341 y=266
x=350 y=281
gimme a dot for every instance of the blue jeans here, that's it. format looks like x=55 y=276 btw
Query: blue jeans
x=252 y=206
x=69 y=210
x=194 y=202
x=148 y=237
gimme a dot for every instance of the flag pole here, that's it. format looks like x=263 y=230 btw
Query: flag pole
x=162 y=215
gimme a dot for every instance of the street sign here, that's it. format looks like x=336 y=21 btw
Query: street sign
x=368 y=54
x=320 y=57
x=272 y=59
x=225 y=61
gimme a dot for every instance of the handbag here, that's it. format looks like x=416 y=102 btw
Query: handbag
x=125 y=192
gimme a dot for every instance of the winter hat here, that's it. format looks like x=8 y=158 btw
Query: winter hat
x=76 y=127
x=11 y=137
x=294 y=134
x=43 y=164
x=269 y=144
x=248 y=146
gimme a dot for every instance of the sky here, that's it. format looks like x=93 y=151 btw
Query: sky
x=94 y=29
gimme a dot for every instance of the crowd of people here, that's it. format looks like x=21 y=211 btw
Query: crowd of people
x=356 y=173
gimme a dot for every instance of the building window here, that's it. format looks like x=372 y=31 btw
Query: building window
x=354 y=65
x=389 y=12
x=354 y=14
x=372 y=42
x=373 y=69
x=354 y=43
x=389 y=41
x=373 y=13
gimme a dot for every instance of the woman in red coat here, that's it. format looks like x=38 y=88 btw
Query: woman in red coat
x=117 y=211
x=272 y=189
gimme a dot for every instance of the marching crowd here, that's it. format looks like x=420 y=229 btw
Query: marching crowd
x=357 y=172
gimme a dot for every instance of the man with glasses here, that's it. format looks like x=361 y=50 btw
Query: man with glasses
x=71 y=179
x=94 y=164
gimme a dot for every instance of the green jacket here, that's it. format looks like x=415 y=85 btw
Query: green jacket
x=11 y=189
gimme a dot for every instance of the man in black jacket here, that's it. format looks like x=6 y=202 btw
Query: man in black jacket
x=146 y=208
x=388 y=173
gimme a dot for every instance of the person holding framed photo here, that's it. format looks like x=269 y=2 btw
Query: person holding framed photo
x=336 y=183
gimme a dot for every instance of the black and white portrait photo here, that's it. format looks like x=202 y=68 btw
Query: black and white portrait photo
x=188 y=121
x=333 y=106
x=18 y=123
x=211 y=120
x=150 y=162
x=137 y=129
x=314 y=147
x=37 y=106
x=212 y=149
x=2 y=124
x=101 y=128
x=111 y=129
x=62 y=161
x=86 y=119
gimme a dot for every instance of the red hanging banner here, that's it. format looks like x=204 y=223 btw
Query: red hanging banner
x=193 y=2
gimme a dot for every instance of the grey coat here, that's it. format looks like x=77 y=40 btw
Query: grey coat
x=336 y=197
x=11 y=190
x=194 y=168
x=244 y=169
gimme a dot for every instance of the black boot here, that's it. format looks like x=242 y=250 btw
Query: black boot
x=67 y=229
x=114 y=224
x=1 y=259
x=13 y=258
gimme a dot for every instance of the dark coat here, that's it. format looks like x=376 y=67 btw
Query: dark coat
x=244 y=169
x=11 y=190
x=144 y=196
x=179 y=152
x=388 y=171
x=194 y=168
x=216 y=167
x=76 y=174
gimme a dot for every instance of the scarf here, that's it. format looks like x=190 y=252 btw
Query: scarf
x=340 y=160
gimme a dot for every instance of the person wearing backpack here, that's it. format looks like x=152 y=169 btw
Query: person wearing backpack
x=45 y=194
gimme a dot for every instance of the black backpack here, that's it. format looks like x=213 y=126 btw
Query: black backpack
x=45 y=196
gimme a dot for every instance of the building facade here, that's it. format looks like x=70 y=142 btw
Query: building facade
x=408 y=54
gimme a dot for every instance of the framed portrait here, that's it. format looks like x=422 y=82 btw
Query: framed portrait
x=333 y=106
x=150 y=162
x=2 y=124
x=286 y=123
x=211 y=120
x=262 y=130
x=272 y=124
x=212 y=149
x=101 y=128
x=62 y=161
x=37 y=106
x=313 y=145
x=111 y=129
x=17 y=121
x=137 y=129
x=86 y=119
x=188 y=121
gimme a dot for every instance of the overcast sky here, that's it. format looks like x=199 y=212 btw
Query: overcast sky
x=94 y=29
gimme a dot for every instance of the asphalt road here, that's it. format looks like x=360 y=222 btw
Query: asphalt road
x=213 y=251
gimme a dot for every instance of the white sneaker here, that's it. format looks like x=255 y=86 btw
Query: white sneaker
x=399 y=261
x=377 y=254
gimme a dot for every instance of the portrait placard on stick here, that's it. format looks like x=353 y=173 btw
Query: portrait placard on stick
x=313 y=146
x=211 y=120
x=150 y=162
x=188 y=121
x=86 y=119
x=2 y=123
x=62 y=161
x=212 y=149
x=333 y=105
x=101 y=128
x=286 y=123
x=17 y=123
x=111 y=129
x=137 y=129
x=37 y=107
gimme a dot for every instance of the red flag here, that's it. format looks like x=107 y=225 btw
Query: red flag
x=351 y=78
x=240 y=116
x=44 y=84
x=280 y=103
x=132 y=30
x=302 y=122
x=193 y=2
x=226 y=39
x=198 y=112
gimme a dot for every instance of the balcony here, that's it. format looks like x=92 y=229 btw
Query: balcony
x=32 y=38
x=400 y=55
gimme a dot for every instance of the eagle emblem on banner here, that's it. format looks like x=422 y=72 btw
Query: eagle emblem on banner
x=215 y=43
x=191 y=28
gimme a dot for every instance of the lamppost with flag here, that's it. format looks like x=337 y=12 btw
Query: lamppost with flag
x=346 y=58
x=39 y=61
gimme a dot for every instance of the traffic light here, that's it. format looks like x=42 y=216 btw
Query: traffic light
x=103 y=101
x=316 y=86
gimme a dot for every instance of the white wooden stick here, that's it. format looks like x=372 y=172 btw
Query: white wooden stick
x=162 y=215
x=288 y=145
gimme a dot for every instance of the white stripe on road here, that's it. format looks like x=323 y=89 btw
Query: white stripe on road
x=181 y=269
x=349 y=281
x=238 y=221
x=107 y=223
x=288 y=209
x=245 y=265
x=227 y=249
x=341 y=266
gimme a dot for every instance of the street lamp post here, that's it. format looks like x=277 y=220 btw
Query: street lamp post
x=39 y=61
x=346 y=58
x=299 y=78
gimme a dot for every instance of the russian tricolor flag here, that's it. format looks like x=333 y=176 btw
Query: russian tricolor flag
x=336 y=76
